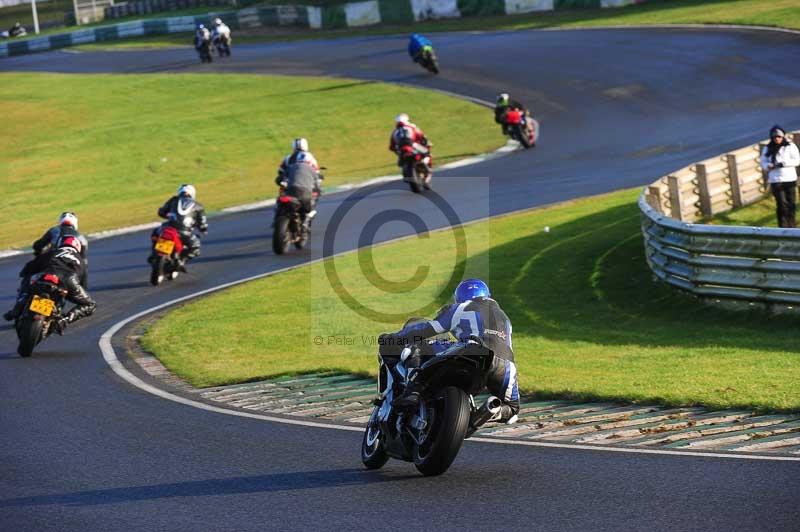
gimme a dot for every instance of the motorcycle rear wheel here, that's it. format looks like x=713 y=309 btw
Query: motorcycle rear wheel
x=281 y=236
x=409 y=171
x=434 y=455
x=29 y=332
x=373 y=455
x=157 y=273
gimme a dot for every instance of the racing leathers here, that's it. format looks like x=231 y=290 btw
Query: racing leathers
x=43 y=249
x=417 y=45
x=185 y=214
x=68 y=266
x=202 y=43
x=481 y=317
x=410 y=135
x=221 y=32
x=299 y=175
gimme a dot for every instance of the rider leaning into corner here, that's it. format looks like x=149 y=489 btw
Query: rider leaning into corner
x=473 y=313
x=66 y=263
x=299 y=176
x=185 y=213
x=43 y=249
x=406 y=132
x=417 y=46
x=504 y=104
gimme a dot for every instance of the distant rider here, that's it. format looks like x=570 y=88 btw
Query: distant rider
x=17 y=30
x=505 y=104
x=299 y=176
x=221 y=35
x=202 y=43
x=65 y=263
x=43 y=249
x=418 y=46
x=407 y=133
x=186 y=214
x=473 y=313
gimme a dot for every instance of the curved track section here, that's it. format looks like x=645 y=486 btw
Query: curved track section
x=81 y=450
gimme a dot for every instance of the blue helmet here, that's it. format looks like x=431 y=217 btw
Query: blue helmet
x=471 y=289
x=200 y=26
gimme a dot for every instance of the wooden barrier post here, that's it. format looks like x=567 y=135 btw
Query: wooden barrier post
x=676 y=205
x=654 y=199
x=736 y=185
x=702 y=185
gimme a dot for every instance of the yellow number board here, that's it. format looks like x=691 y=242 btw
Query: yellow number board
x=165 y=246
x=42 y=305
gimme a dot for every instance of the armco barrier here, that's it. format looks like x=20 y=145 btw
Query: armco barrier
x=756 y=265
x=354 y=14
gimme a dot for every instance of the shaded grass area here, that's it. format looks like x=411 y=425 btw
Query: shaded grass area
x=112 y=148
x=589 y=322
x=778 y=13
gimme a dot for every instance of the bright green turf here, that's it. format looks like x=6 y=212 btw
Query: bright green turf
x=781 y=13
x=113 y=147
x=589 y=322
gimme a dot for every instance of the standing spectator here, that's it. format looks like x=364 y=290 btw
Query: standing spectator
x=780 y=159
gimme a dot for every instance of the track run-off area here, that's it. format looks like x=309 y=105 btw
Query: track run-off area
x=82 y=449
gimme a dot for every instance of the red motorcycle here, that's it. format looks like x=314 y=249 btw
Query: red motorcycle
x=167 y=248
x=522 y=127
x=415 y=160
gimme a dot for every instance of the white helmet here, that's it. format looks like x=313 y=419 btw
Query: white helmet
x=300 y=144
x=217 y=21
x=187 y=190
x=68 y=218
x=402 y=119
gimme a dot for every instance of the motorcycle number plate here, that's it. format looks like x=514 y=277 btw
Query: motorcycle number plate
x=43 y=306
x=165 y=246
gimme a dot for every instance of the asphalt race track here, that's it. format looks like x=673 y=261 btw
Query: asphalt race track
x=82 y=450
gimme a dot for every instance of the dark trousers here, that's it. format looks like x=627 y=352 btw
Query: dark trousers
x=785 y=202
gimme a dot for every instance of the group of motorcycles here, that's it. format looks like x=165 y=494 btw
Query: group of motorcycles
x=431 y=436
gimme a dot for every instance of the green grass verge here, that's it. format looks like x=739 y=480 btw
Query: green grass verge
x=112 y=148
x=759 y=214
x=778 y=13
x=589 y=323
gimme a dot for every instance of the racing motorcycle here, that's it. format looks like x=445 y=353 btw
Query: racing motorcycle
x=522 y=127
x=222 y=44
x=165 y=254
x=431 y=436
x=290 y=227
x=43 y=306
x=415 y=162
x=428 y=61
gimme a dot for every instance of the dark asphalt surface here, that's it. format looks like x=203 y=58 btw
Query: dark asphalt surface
x=81 y=450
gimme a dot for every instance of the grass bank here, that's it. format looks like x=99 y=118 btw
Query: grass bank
x=589 y=323
x=112 y=147
x=777 y=13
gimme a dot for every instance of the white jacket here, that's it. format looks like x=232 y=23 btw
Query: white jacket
x=789 y=157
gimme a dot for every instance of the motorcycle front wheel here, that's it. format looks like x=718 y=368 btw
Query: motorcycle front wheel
x=373 y=455
x=441 y=440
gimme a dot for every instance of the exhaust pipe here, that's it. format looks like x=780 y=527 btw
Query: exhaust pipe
x=489 y=409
